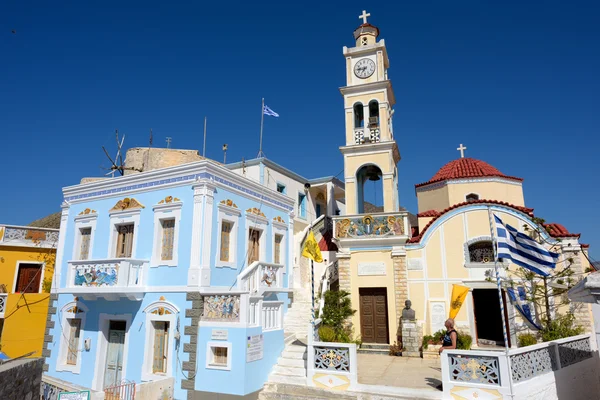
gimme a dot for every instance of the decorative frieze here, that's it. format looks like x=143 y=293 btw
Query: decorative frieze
x=370 y=226
x=127 y=204
x=224 y=308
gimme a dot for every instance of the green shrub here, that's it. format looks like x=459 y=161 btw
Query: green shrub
x=337 y=309
x=426 y=340
x=463 y=341
x=46 y=285
x=561 y=327
x=438 y=336
x=527 y=339
x=395 y=349
x=327 y=333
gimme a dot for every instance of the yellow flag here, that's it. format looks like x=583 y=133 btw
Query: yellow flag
x=459 y=293
x=311 y=248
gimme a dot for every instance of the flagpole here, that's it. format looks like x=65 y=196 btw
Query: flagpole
x=499 y=285
x=262 y=117
x=204 y=146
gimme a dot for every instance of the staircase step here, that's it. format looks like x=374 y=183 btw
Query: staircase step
x=289 y=371
x=289 y=337
x=373 y=351
x=291 y=362
x=291 y=391
x=375 y=346
x=287 y=379
x=295 y=348
x=294 y=355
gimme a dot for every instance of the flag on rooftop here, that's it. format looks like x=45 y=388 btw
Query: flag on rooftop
x=268 y=111
x=523 y=250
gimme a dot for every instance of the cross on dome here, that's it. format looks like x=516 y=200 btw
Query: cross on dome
x=462 y=149
x=364 y=16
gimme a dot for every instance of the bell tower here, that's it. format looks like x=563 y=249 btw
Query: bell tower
x=370 y=153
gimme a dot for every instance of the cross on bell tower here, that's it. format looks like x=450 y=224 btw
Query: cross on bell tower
x=364 y=16
x=462 y=149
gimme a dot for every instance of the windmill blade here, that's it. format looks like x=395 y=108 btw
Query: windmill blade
x=111 y=160
x=121 y=155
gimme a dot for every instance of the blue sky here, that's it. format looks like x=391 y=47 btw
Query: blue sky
x=516 y=81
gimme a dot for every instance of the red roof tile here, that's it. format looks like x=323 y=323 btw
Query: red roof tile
x=526 y=210
x=466 y=168
x=558 y=231
x=585 y=245
x=429 y=213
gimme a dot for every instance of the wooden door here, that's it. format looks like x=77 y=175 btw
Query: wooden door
x=253 y=246
x=114 y=353
x=29 y=277
x=373 y=315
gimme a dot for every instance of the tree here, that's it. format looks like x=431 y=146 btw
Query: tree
x=547 y=295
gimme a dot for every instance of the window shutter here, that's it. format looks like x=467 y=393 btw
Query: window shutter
x=168 y=230
x=73 y=345
x=84 y=250
x=225 y=240
x=160 y=346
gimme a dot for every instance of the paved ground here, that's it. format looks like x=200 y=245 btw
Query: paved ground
x=414 y=373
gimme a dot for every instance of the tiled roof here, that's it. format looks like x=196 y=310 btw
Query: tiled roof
x=416 y=239
x=429 y=213
x=559 y=231
x=466 y=168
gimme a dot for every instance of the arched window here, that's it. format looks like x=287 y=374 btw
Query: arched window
x=72 y=323
x=472 y=197
x=373 y=113
x=161 y=332
x=369 y=189
x=481 y=252
x=359 y=117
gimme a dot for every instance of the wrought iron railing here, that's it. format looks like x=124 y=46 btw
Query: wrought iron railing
x=122 y=391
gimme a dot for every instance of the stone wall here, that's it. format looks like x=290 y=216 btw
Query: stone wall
x=344 y=271
x=21 y=379
x=189 y=367
x=400 y=284
x=144 y=159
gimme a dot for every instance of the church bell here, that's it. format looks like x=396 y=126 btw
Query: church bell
x=372 y=173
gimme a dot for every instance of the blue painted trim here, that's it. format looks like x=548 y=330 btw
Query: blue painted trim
x=511 y=211
x=187 y=178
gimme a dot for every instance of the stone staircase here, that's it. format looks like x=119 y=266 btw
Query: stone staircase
x=291 y=365
x=297 y=319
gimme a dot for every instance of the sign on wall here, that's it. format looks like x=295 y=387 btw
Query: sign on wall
x=371 y=268
x=85 y=395
x=254 y=348
x=414 y=264
x=219 y=334
x=438 y=315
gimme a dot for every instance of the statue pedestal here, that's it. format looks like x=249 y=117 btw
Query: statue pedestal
x=410 y=338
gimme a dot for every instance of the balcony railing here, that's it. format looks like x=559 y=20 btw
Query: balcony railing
x=110 y=276
x=388 y=226
x=261 y=277
x=3 y=298
x=12 y=235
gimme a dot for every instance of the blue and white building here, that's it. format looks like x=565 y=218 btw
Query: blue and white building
x=178 y=273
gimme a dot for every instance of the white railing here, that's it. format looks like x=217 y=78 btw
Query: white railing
x=14 y=235
x=261 y=277
x=272 y=315
x=101 y=275
x=254 y=306
x=329 y=275
x=331 y=364
x=3 y=299
x=557 y=366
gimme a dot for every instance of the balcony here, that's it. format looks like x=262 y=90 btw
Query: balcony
x=110 y=279
x=391 y=229
x=24 y=236
x=261 y=277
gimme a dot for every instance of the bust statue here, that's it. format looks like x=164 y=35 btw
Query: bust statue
x=407 y=312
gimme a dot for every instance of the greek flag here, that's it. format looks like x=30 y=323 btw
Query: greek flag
x=523 y=250
x=519 y=300
x=268 y=111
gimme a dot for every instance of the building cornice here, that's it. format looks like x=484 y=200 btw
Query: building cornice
x=372 y=86
x=440 y=184
x=180 y=175
x=371 y=148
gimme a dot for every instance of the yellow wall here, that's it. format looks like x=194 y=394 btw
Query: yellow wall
x=24 y=316
x=378 y=281
x=455 y=193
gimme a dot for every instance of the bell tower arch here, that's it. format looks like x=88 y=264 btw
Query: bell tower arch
x=370 y=153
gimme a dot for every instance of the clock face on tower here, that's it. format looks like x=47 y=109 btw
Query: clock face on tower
x=364 y=68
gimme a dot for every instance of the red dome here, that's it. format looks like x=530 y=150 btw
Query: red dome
x=466 y=168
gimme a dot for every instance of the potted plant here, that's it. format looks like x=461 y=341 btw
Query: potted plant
x=395 y=349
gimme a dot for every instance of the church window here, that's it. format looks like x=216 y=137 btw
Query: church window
x=481 y=252
x=281 y=188
x=359 y=118
x=472 y=197
x=373 y=113
x=364 y=41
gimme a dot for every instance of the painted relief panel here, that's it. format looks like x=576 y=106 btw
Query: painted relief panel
x=96 y=275
x=224 y=308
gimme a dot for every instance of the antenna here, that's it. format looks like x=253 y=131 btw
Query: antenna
x=169 y=140
x=204 y=146
x=225 y=153
x=118 y=157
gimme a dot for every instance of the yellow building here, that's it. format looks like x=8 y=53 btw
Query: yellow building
x=383 y=260
x=26 y=268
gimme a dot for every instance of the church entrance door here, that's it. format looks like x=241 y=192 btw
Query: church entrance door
x=373 y=315
x=488 y=321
